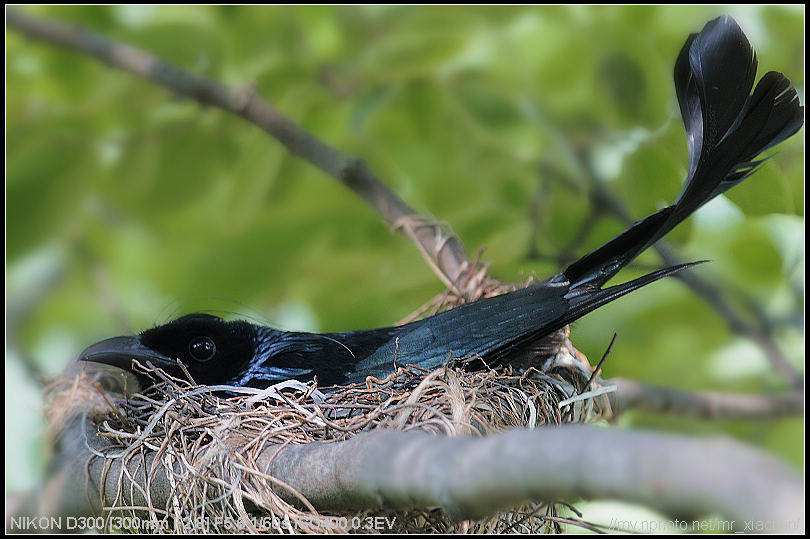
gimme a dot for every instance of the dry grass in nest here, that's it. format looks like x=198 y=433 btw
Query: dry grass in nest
x=209 y=445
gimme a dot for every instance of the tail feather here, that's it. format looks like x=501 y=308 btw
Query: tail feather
x=584 y=300
x=597 y=267
x=727 y=127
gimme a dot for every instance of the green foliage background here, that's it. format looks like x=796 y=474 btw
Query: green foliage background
x=127 y=206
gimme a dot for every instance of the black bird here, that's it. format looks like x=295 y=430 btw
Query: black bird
x=727 y=127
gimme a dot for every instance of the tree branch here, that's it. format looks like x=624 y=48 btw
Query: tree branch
x=631 y=395
x=434 y=240
x=471 y=478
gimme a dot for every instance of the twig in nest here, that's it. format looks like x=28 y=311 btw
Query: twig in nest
x=601 y=361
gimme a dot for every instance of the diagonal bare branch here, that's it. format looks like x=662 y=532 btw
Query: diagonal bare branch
x=434 y=239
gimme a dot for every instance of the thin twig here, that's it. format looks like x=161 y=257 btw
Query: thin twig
x=704 y=405
x=601 y=362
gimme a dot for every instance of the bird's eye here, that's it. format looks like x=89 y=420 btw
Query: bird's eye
x=202 y=348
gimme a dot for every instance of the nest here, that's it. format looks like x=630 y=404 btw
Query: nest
x=208 y=445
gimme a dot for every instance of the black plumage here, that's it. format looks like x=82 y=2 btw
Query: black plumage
x=727 y=128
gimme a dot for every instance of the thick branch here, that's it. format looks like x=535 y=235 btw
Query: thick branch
x=471 y=478
x=446 y=255
x=631 y=395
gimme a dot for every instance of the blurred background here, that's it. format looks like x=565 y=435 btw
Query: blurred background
x=127 y=206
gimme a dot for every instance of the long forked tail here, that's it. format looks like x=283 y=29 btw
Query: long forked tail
x=727 y=127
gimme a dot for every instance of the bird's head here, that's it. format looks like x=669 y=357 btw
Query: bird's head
x=210 y=348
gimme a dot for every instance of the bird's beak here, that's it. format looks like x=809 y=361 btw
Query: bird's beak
x=120 y=351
